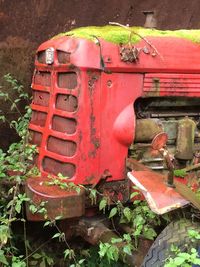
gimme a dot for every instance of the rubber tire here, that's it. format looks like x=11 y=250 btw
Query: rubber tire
x=175 y=233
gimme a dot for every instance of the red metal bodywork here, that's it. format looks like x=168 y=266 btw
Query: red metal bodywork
x=159 y=196
x=104 y=115
x=83 y=117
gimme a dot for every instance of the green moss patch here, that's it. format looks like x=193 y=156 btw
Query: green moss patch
x=120 y=35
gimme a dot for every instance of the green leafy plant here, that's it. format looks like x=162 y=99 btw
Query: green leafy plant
x=15 y=164
x=140 y=219
x=41 y=259
x=184 y=258
x=60 y=181
x=180 y=173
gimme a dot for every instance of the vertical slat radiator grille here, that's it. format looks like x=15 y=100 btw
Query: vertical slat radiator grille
x=53 y=126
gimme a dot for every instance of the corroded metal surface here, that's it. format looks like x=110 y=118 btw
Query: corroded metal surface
x=159 y=141
x=185 y=139
x=58 y=202
x=159 y=196
x=146 y=129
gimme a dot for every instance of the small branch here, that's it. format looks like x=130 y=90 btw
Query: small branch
x=133 y=32
x=38 y=248
x=25 y=237
x=191 y=167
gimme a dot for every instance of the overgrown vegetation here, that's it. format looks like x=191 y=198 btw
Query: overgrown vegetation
x=119 y=35
x=185 y=258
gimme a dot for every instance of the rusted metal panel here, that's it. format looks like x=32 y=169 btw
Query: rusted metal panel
x=164 y=84
x=50 y=164
x=182 y=57
x=42 y=78
x=118 y=120
x=185 y=139
x=146 y=129
x=159 y=196
x=114 y=191
x=67 y=80
x=64 y=125
x=58 y=202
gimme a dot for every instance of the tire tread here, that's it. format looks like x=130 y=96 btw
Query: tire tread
x=175 y=233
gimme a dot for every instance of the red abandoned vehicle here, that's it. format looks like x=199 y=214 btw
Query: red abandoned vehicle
x=113 y=108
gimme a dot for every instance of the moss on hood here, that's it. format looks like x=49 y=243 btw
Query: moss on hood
x=117 y=34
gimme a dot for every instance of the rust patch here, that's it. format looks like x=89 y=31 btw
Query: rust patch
x=119 y=190
x=90 y=178
x=93 y=77
x=67 y=203
x=129 y=53
x=156 y=86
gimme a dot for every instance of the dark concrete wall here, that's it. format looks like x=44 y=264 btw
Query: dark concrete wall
x=26 y=23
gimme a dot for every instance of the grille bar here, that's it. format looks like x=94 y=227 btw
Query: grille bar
x=55 y=132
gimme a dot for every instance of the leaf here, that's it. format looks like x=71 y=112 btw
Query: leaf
x=149 y=233
x=4 y=234
x=18 y=206
x=33 y=209
x=174 y=248
x=81 y=261
x=43 y=264
x=185 y=255
x=66 y=253
x=58 y=217
x=196 y=261
x=127 y=237
x=37 y=256
x=180 y=173
x=47 y=223
x=113 y=253
x=69 y=253
x=2 y=118
x=136 y=202
x=56 y=235
x=193 y=250
x=33 y=263
x=102 y=204
x=127 y=214
x=78 y=190
x=113 y=212
x=18 y=264
x=93 y=196
x=50 y=261
x=103 y=248
x=134 y=194
x=116 y=240
x=13 y=106
x=3 y=258
x=127 y=249
x=179 y=261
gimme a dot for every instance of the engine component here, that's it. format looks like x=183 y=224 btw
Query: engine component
x=185 y=139
x=146 y=129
